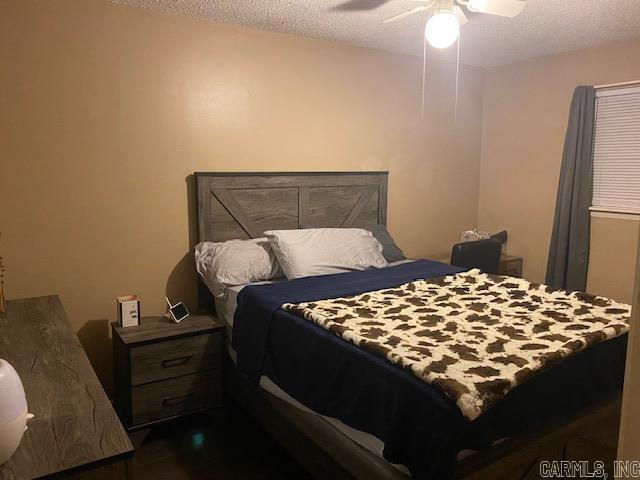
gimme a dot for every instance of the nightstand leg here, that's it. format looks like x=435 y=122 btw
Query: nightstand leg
x=137 y=437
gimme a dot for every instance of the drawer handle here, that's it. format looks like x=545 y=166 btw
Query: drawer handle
x=174 y=362
x=169 y=401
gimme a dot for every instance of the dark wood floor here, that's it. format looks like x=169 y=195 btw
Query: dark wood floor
x=231 y=445
x=227 y=445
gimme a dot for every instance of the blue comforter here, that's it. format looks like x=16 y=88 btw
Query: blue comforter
x=419 y=425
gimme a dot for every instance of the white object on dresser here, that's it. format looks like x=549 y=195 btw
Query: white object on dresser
x=13 y=411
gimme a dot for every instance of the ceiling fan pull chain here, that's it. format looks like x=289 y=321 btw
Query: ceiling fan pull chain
x=455 y=108
x=424 y=75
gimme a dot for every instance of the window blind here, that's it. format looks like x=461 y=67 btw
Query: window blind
x=616 y=154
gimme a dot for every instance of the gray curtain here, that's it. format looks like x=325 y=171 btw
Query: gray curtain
x=569 y=249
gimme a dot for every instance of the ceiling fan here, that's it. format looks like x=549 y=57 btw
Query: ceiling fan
x=445 y=16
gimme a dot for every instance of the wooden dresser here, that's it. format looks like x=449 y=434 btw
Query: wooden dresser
x=75 y=432
x=164 y=370
x=509 y=264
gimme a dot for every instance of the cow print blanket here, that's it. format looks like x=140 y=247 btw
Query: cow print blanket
x=473 y=335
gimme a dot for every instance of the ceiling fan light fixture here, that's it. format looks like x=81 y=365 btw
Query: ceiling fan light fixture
x=442 y=29
x=477 y=5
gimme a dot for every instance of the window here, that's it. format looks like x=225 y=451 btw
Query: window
x=616 y=151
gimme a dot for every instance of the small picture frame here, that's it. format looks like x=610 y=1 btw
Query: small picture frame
x=178 y=311
x=128 y=310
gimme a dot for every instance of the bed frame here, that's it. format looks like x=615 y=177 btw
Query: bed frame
x=242 y=206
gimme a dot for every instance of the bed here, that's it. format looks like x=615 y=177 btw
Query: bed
x=242 y=206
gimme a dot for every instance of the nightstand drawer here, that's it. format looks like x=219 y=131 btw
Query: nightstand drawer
x=169 y=398
x=171 y=358
x=511 y=268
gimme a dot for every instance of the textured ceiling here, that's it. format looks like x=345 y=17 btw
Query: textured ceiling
x=544 y=27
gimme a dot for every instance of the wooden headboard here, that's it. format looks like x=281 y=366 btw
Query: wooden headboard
x=243 y=205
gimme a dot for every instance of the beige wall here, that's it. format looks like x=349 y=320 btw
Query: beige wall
x=612 y=256
x=524 y=123
x=106 y=110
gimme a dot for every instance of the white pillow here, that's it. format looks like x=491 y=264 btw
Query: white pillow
x=236 y=262
x=322 y=251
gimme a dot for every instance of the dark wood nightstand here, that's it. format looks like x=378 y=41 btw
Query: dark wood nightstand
x=164 y=370
x=509 y=264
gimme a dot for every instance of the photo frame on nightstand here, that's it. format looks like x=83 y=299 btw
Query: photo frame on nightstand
x=128 y=307
x=178 y=311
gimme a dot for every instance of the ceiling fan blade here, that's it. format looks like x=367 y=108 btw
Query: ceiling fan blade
x=459 y=13
x=421 y=8
x=503 y=8
x=359 y=5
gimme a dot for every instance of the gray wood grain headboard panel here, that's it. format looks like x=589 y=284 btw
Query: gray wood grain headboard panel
x=243 y=205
